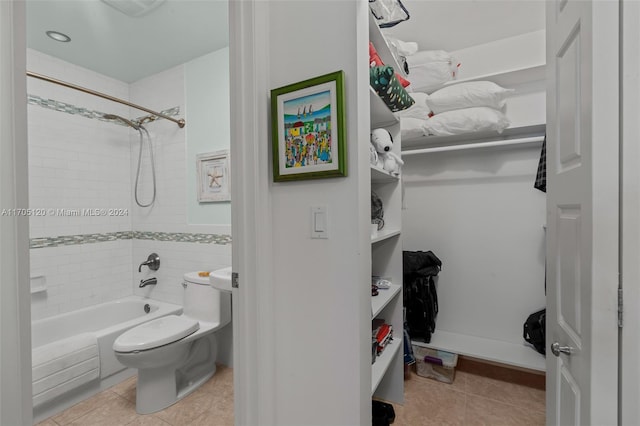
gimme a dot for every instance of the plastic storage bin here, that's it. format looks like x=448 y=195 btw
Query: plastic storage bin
x=435 y=364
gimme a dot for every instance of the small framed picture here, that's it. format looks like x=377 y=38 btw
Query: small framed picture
x=213 y=176
x=309 y=129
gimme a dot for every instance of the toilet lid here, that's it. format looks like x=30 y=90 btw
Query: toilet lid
x=152 y=334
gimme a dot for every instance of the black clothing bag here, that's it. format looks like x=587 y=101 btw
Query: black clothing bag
x=534 y=330
x=419 y=292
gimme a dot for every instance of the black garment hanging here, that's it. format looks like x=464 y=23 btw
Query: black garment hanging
x=541 y=175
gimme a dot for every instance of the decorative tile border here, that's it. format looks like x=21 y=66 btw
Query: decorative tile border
x=87 y=113
x=69 y=240
x=183 y=237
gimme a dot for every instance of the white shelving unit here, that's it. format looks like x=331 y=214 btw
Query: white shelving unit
x=380 y=367
x=379 y=302
x=509 y=78
x=385 y=234
x=387 y=374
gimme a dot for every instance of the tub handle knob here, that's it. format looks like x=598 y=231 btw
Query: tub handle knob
x=153 y=262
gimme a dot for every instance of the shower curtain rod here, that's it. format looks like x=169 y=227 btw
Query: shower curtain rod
x=180 y=122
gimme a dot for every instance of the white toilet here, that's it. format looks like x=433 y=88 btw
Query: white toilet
x=176 y=354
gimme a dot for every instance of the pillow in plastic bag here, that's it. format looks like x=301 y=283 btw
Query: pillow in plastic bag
x=467 y=120
x=468 y=95
x=387 y=86
x=431 y=69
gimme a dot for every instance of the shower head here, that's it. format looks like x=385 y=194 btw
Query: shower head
x=122 y=119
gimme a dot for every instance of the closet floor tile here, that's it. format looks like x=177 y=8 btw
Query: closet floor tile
x=479 y=395
x=484 y=411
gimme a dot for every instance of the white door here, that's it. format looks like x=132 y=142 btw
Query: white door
x=582 y=212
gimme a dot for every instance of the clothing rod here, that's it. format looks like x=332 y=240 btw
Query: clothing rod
x=180 y=122
x=520 y=141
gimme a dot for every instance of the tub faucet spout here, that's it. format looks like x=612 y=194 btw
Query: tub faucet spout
x=149 y=281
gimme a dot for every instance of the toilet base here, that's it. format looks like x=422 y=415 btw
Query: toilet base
x=159 y=388
x=156 y=389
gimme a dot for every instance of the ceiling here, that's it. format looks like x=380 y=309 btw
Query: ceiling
x=128 y=49
x=456 y=24
x=125 y=48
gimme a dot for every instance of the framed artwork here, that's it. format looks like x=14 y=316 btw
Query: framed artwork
x=213 y=176
x=309 y=129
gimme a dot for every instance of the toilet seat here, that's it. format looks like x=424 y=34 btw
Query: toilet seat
x=156 y=333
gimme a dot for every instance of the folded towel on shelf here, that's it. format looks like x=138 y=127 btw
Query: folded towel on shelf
x=64 y=365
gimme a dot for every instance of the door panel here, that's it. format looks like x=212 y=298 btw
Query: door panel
x=568 y=281
x=569 y=398
x=582 y=211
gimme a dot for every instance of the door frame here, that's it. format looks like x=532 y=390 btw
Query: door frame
x=15 y=297
x=629 y=370
x=254 y=350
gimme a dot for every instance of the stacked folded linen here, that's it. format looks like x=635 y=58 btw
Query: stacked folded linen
x=64 y=365
x=476 y=106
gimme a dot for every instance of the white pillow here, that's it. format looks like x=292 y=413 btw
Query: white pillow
x=468 y=95
x=412 y=128
x=419 y=109
x=468 y=120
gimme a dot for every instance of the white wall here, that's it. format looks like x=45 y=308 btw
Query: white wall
x=478 y=212
x=209 y=127
x=321 y=293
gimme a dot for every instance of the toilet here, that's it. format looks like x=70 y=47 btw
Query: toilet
x=176 y=354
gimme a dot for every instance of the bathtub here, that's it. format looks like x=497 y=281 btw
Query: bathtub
x=106 y=321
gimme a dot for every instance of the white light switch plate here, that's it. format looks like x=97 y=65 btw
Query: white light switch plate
x=319 y=222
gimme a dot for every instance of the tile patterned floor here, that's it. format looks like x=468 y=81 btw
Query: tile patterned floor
x=210 y=405
x=480 y=395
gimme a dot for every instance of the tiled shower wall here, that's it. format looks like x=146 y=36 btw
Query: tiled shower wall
x=77 y=163
x=83 y=163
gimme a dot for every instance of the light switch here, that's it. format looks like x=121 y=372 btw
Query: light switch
x=319 y=222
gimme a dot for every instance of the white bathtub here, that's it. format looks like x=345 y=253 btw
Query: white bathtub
x=107 y=321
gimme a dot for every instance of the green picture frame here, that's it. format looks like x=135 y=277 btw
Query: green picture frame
x=309 y=129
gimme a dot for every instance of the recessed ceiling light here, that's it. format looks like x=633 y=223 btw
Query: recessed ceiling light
x=57 y=36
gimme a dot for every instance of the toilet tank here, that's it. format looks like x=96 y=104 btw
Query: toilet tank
x=203 y=302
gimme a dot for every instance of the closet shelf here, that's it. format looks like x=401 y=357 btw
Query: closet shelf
x=382 y=47
x=381 y=176
x=478 y=137
x=381 y=115
x=385 y=234
x=383 y=298
x=508 y=78
x=517 y=355
x=384 y=360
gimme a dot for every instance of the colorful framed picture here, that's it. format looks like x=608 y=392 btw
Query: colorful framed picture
x=213 y=176
x=309 y=129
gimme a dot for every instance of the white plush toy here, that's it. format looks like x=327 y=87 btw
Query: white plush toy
x=382 y=142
